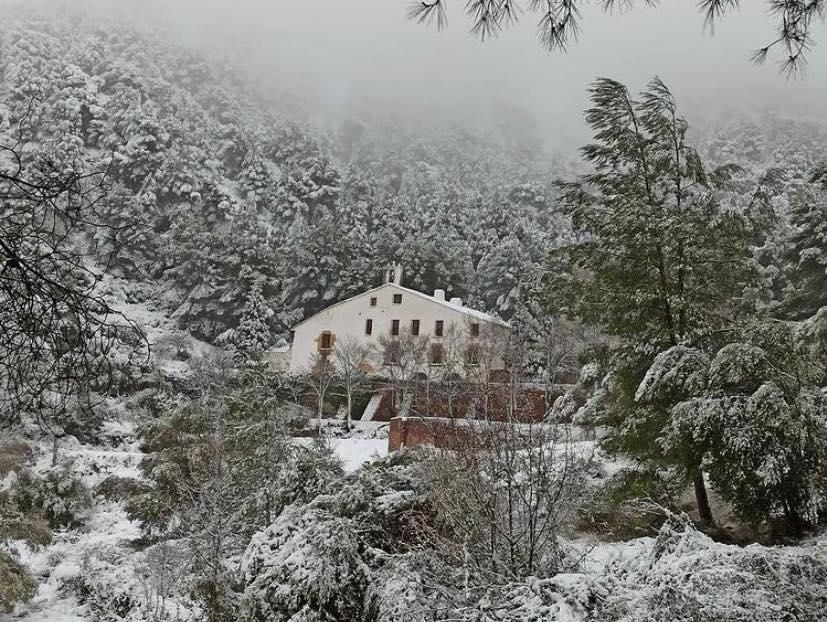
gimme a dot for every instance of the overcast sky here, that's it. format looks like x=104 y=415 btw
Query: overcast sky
x=364 y=57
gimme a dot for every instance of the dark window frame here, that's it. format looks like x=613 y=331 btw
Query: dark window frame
x=395 y=328
x=475 y=329
x=397 y=299
x=439 y=328
x=373 y=301
x=369 y=326
x=325 y=341
x=415 y=327
x=437 y=354
x=393 y=353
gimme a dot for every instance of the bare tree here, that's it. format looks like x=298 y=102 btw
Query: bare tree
x=160 y=575
x=60 y=340
x=449 y=377
x=404 y=359
x=319 y=376
x=352 y=360
x=559 y=21
x=505 y=493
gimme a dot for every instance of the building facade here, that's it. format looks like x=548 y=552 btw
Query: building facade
x=388 y=317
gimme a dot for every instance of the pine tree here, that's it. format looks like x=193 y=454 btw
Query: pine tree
x=807 y=257
x=252 y=337
x=658 y=262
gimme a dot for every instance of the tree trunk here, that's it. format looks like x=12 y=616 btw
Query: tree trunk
x=321 y=410
x=702 y=499
x=349 y=410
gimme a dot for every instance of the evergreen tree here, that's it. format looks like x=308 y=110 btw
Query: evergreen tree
x=807 y=257
x=658 y=261
x=252 y=337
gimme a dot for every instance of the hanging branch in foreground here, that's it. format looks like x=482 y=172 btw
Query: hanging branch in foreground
x=61 y=343
x=559 y=21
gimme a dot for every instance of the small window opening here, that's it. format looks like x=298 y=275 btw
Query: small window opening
x=414 y=327
x=437 y=354
x=397 y=299
x=439 y=328
x=393 y=353
x=394 y=327
x=325 y=341
x=368 y=327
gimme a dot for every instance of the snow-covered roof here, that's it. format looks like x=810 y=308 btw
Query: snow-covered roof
x=478 y=315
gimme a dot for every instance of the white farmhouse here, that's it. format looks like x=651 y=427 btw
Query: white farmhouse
x=377 y=316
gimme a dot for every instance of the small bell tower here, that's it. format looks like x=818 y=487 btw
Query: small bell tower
x=393 y=274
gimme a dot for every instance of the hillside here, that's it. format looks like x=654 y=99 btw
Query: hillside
x=215 y=192
x=679 y=294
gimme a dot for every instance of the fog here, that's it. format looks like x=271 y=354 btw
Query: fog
x=335 y=58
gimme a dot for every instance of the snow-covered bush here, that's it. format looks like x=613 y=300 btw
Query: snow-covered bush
x=750 y=419
x=504 y=498
x=584 y=403
x=16 y=583
x=62 y=499
x=305 y=473
x=307 y=564
x=324 y=560
x=633 y=502
x=687 y=576
x=684 y=576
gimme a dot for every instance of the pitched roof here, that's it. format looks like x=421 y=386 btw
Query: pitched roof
x=479 y=315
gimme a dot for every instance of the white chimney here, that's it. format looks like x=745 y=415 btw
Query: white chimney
x=439 y=294
x=456 y=301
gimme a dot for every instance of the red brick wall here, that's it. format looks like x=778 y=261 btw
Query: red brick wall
x=413 y=431
x=386 y=410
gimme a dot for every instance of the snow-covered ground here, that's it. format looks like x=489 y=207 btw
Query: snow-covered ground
x=354 y=452
x=108 y=528
x=626 y=571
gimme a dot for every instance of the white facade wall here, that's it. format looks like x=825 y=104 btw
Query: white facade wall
x=347 y=320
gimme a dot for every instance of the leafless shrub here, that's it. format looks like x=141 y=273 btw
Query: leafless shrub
x=505 y=493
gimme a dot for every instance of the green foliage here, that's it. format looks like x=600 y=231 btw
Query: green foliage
x=754 y=415
x=806 y=291
x=324 y=559
x=62 y=499
x=17 y=586
x=632 y=503
x=652 y=237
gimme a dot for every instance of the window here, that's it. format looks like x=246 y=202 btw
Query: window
x=439 y=328
x=373 y=301
x=437 y=354
x=475 y=330
x=394 y=327
x=472 y=355
x=414 y=327
x=325 y=341
x=397 y=299
x=368 y=327
x=393 y=353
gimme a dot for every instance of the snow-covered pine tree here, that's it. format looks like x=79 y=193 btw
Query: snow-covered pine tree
x=806 y=291
x=658 y=261
x=252 y=336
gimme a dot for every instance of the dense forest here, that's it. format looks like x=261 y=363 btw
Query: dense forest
x=672 y=280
